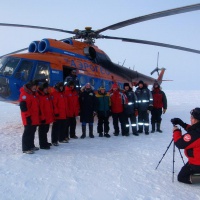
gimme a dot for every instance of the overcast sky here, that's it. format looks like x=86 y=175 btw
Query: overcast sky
x=183 y=30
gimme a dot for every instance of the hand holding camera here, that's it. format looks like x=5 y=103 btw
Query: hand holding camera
x=178 y=121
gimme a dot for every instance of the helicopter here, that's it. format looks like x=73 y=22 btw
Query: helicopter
x=53 y=60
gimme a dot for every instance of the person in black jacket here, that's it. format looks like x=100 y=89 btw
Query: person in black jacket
x=145 y=105
x=130 y=109
x=88 y=107
x=103 y=112
x=190 y=142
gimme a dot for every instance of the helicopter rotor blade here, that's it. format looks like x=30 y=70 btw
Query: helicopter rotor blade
x=153 y=43
x=36 y=27
x=156 y=15
x=24 y=49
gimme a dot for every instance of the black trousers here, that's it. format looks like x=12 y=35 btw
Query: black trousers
x=119 y=117
x=71 y=127
x=186 y=171
x=103 y=124
x=28 y=137
x=143 y=120
x=58 y=132
x=156 y=115
x=133 y=124
x=42 y=132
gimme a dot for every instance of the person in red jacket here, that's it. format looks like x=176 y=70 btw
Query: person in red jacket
x=72 y=101
x=29 y=106
x=159 y=107
x=46 y=115
x=118 y=100
x=60 y=112
x=190 y=142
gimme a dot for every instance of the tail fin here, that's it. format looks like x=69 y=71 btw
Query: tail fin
x=160 y=74
x=160 y=77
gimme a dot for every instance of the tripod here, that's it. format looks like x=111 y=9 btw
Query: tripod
x=173 y=158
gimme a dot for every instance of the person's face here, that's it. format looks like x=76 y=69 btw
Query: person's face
x=45 y=90
x=155 y=86
x=72 y=87
x=34 y=88
x=87 y=86
x=73 y=73
x=140 y=85
x=193 y=120
x=102 y=91
x=126 y=87
x=61 y=88
x=114 y=89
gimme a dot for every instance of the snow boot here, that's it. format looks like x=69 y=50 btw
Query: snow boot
x=158 y=128
x=100 y=134
x=153 y=127
x=83 y=132
x=91 y=131
x=195 y=178
x=106 y=135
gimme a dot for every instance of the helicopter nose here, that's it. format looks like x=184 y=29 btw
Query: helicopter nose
x=4 y=87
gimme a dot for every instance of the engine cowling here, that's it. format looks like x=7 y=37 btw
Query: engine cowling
x=90 y=52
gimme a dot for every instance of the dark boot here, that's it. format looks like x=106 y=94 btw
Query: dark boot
x=100 y=134
x=83 y=132
x=153 y=127
x=106 y=135
x=158 y=128
x=91 y=131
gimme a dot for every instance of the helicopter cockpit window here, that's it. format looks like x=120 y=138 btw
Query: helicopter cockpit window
x=24 y=70
x=42 y=72
x=8 y=65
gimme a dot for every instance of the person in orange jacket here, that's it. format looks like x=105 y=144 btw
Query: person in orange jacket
x=118 y=100
x=46 y=115
x=29 y=106
x=60 y=112
x=72 y=101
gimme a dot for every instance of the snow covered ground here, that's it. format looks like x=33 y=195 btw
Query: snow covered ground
x=116 y=168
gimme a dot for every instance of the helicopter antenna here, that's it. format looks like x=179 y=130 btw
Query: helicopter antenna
x=157 y=63
x=123 y=63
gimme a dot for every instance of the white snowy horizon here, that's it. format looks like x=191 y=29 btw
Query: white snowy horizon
x=116 y=168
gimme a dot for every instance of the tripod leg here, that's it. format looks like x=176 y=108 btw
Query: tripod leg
x=173 y=162
x=181 y=156
x=164 y=153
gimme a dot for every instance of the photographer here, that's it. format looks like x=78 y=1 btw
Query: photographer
x=190 y=142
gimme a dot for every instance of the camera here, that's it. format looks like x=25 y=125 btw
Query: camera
x=173 y=121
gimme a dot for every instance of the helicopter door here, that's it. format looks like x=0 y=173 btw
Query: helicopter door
x=67 y=71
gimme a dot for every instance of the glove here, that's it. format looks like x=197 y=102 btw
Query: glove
x=136 y=113
x=150 y=108
x=56 y=115
x=164 y=110
x=178 y=121
x=28 y=120
x=43 y=121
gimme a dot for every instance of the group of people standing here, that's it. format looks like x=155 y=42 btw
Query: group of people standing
x=41 y=107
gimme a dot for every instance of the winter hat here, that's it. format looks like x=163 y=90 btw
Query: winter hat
x=58 y=85
x=156 y=84
x=126 y=84
x=195 y=113
x=70 y=83
x=115 y=86
x=140 y=82
x=30 y=84
x=102 y=88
